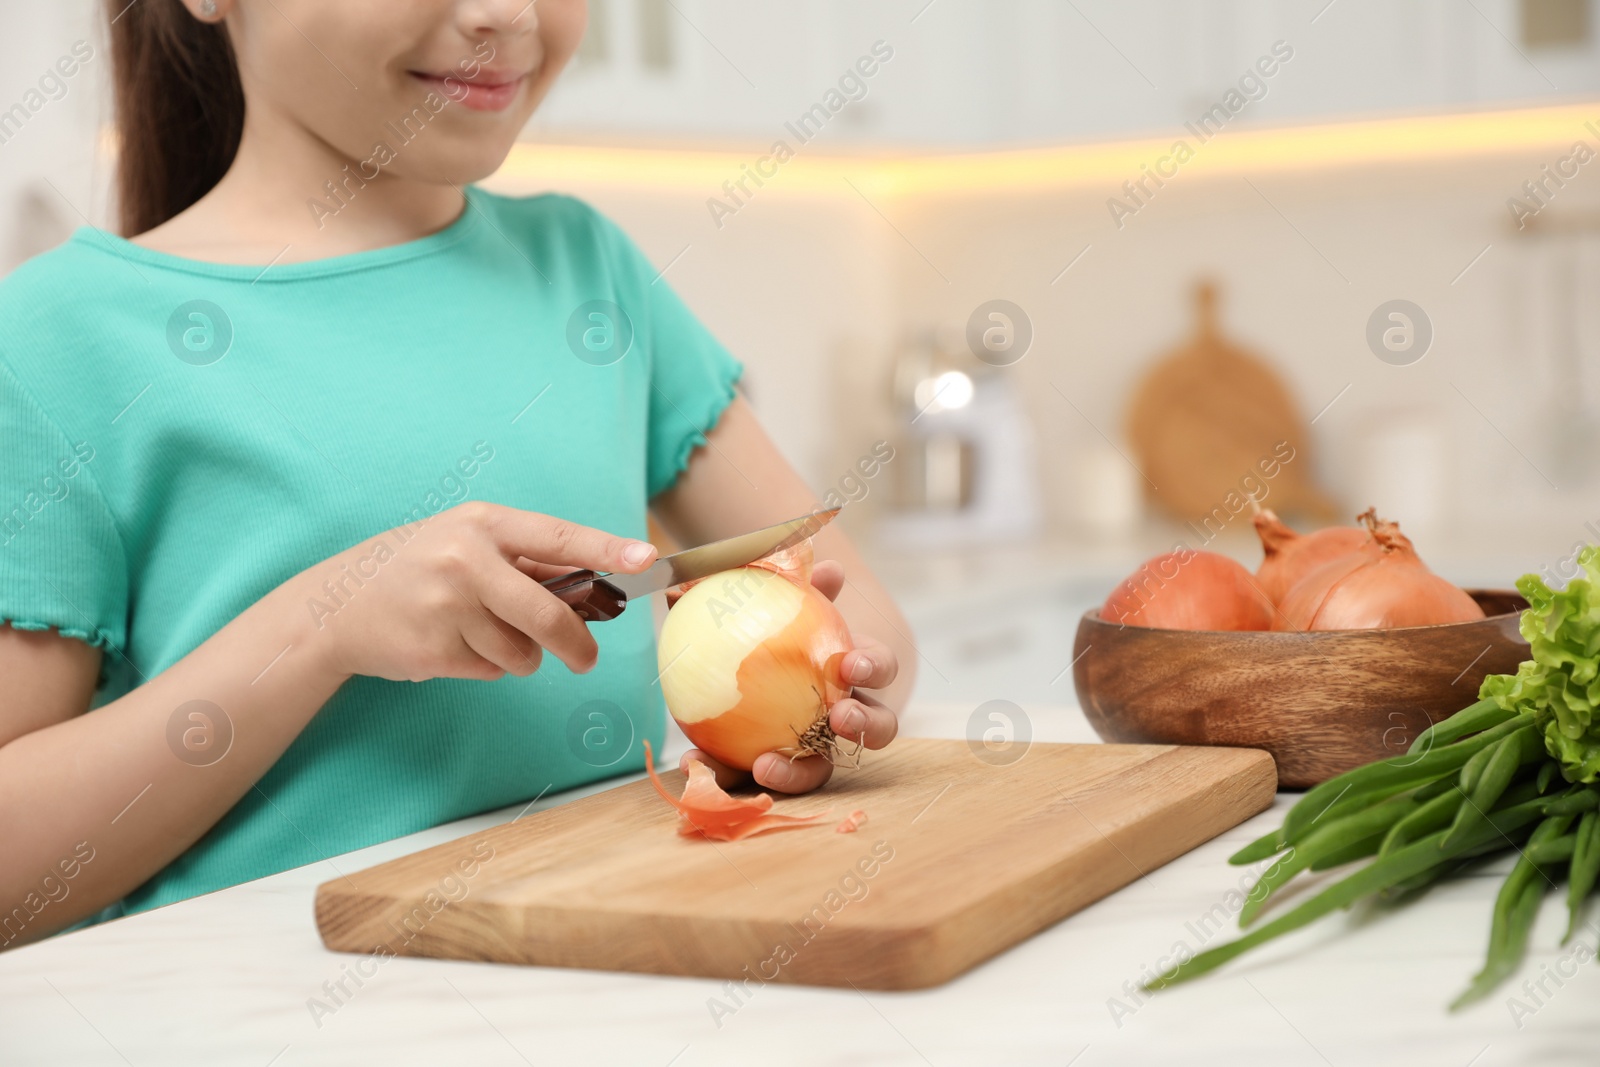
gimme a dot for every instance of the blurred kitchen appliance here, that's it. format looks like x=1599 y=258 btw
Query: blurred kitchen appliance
x=967 y=470
x=1207 y=416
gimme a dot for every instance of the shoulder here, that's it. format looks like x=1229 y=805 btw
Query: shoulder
x=60 y=285
x=43 y=300
x=55 y=278
x=64 y=306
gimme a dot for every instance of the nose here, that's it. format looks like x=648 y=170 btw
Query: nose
x=480 y=18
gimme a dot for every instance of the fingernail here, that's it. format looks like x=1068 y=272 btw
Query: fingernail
x=860 y=671
x=637 y=552
x=776 y=774
x=854 y=722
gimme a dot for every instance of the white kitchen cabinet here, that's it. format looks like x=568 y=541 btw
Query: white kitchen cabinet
x=998 y=71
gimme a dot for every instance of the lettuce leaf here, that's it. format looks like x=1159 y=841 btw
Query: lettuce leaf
x=1560 y=684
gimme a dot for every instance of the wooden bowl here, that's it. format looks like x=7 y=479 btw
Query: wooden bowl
x=1320 y=702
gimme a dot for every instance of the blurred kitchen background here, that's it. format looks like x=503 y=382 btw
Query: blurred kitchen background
x=980 y=238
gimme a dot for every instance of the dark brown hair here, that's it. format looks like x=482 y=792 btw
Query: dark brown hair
x=178 y=105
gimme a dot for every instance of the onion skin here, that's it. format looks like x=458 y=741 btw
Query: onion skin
x=706 y=810
x=1290 y=556
x=786 y=679
x=1386 y=587
x=1188 y=590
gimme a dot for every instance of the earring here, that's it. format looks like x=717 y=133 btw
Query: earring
x=208 y=8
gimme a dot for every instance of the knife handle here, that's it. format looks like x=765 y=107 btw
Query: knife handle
x=595 y=599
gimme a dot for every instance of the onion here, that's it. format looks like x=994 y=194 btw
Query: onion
x=749 y=660
x=1188 y=590
x=1291 y=556
x=1380 y=587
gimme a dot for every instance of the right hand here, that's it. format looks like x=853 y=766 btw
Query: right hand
x=458 y=596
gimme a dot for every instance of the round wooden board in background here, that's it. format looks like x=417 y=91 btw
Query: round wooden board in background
x=1207 y=415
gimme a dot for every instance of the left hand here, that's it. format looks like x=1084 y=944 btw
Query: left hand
x=855 y=718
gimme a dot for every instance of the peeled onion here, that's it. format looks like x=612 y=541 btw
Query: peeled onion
x=1187 y=590
x=749 y=659
x=1382 y=587
x=1290 y=556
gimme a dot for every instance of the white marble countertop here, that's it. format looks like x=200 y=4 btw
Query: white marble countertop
x=226 y=979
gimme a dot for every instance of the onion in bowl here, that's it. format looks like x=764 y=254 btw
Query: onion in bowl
x=1189 y=590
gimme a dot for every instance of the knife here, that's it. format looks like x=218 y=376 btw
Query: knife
x=597 y=597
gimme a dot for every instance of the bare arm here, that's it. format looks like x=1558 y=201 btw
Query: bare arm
x=459 y=598
x=110 y=782
x=742 y=482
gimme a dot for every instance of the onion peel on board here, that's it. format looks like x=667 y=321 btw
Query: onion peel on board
x=706 y=809
x=853 y=823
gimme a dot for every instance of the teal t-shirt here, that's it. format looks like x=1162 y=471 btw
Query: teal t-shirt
x=180 y=437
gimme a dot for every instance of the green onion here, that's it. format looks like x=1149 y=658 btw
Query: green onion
x=1585 y=866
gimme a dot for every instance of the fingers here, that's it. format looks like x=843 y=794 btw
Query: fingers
x=509 y=655
x=828 y=576
x=862 y=719
x=856 y=718
x=772 y=771
x=870 y=665
x=784 y=775
x=540 y=572
x=550 y=540
x=536 y=612
x=470 y=662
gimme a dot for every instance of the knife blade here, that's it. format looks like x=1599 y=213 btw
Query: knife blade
x=598 y=596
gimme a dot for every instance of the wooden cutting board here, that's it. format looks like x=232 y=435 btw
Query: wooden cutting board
x=959 y=860
x=1203 y=420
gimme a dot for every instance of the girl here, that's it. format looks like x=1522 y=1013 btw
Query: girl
x=250 y=450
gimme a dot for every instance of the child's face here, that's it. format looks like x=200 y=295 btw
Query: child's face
x=356 y=73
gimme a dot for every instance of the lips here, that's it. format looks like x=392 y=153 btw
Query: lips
x=486 y=91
